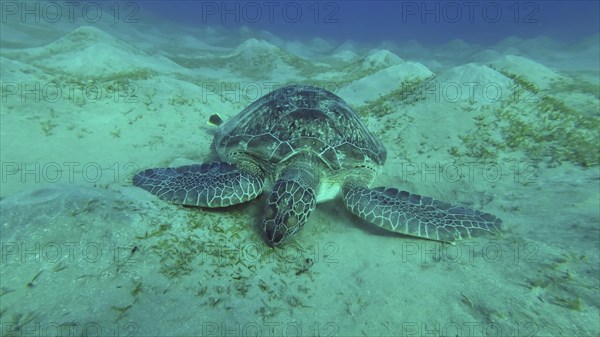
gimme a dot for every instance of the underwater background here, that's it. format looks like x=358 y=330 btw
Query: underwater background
x=494 y=105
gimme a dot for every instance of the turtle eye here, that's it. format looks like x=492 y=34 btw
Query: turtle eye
x=291 y=223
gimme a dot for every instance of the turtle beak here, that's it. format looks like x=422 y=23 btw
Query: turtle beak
x=274 y=238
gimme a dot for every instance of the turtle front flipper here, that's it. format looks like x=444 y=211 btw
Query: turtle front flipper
x=206 y=185
x=415 y=215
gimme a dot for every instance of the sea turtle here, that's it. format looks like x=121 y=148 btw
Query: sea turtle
x=304 y=145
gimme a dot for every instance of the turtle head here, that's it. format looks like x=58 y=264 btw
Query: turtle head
x=290 y=203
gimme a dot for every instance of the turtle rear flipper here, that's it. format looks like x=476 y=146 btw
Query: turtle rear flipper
x=415 y=215
x=206 y=185
x=215 y=120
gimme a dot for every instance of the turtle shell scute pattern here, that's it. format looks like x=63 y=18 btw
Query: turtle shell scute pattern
x=301 y=119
